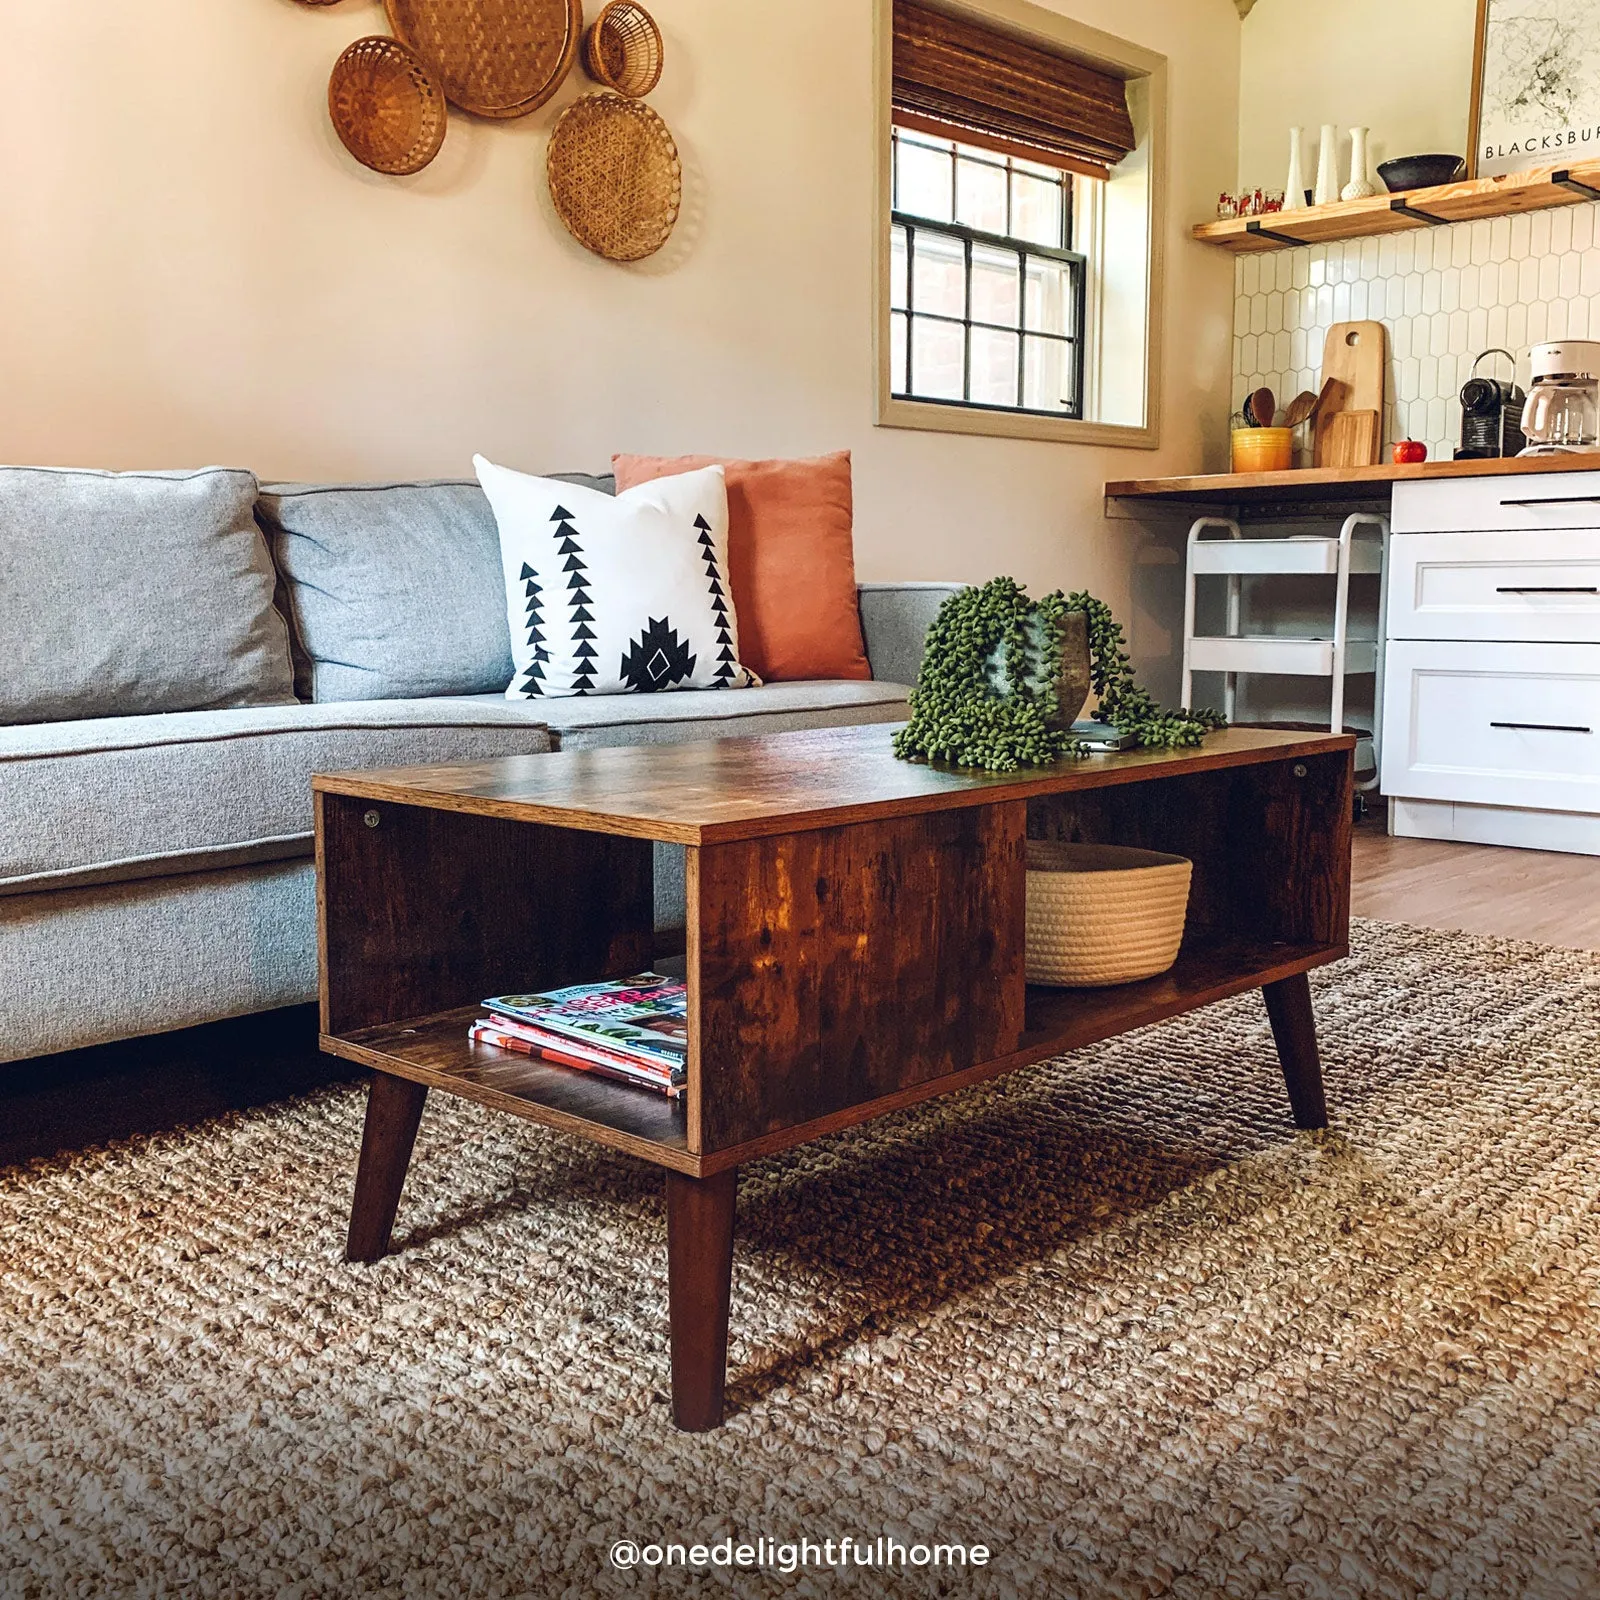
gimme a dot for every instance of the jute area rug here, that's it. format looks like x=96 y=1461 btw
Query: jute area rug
x=1113 y=1319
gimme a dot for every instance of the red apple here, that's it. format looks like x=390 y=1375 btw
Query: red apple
x=1407 y=451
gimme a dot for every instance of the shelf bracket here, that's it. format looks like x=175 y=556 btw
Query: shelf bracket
x=1564 y=179
x=1397 y=204
x=1279 y=238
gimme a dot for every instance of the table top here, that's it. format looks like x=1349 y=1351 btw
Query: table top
x=1326 y=483
x=714 y=790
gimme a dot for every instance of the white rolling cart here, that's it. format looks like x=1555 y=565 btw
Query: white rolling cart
x=1360 y=547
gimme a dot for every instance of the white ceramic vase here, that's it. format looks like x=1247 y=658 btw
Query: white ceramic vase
x=1360 y=186
x=1327 y=190
x=1294 y=186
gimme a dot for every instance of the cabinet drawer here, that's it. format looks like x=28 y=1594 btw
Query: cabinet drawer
x=1538 y=586
x=1525 y=501
x=1493 y=724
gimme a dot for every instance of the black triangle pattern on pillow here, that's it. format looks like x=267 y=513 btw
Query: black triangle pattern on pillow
x=577 y=599
x=657 y=659
x=726 y=672
x=532 y=679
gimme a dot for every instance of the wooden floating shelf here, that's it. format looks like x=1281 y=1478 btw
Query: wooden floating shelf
x=1469 y=201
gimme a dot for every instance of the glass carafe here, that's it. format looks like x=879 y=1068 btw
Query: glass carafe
x=1563 y=410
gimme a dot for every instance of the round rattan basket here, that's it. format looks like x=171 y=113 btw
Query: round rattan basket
x=614 y=176
x=1102 y=914
x=623 y=50
x=386 y=106
x=494 y=58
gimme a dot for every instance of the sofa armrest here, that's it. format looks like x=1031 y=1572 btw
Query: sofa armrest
x=894 y=623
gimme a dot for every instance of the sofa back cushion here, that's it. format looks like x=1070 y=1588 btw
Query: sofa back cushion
x=394 y=589
x=127 y=593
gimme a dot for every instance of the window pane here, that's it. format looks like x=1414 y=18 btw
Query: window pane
x=994 y=367
x=996 y=285
x=897 y=353
x=981 y=196
x=1035 y=210
x=1049 y=300
x=922 y=180
x=937 y=357
x=897 y=268
x=939 y=275
x=1046 y=374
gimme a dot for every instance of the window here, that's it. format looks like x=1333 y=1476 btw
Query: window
x=986 y=293
x=1020 y=205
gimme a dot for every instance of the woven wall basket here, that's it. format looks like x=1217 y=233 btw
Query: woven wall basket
x=614 y=176
x=1100 y=914
x=494 y=58
x=387 y=108
x=623 y=50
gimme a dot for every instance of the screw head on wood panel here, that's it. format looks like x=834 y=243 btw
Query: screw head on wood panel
x=1299 y=772
x=371 y=817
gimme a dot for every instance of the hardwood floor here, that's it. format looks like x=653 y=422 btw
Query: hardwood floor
x=1512 y=894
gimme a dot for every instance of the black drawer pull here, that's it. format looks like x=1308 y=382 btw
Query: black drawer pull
x=1532 y=588
x=1544 y=727
x=1558 y=500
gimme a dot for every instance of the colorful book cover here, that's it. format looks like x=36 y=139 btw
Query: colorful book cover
x=486 y=1034
x=657 y=1070
x=645 y=1016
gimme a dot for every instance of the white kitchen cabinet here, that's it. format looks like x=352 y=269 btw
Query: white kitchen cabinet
x=1492 y=688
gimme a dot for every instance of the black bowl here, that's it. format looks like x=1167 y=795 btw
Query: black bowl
x=1421 y=172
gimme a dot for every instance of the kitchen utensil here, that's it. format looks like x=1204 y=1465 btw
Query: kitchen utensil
x=1351 y=440
x=614 y=176
x=495 y=58
x=1562 y=414
x=1299 y=409
x=1262 y=449
x=1354 y=361
x=1260 y=408
x=1421 y=172
x=1491 y=413
x=386 y=106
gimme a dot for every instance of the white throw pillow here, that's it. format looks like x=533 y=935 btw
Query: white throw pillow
x=616 y=594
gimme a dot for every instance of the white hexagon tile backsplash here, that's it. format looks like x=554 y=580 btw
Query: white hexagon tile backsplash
x=1445 y=294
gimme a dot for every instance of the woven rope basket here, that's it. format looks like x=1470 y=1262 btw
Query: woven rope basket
x=494 y=58
x=1101 y=914
x=623 y=50
x=386 y=107
x=614 y=176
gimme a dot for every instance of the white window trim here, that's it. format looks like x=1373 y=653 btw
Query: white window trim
x=1109 y=54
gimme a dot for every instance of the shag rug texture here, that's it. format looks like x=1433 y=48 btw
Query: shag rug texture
x=1113 y=1319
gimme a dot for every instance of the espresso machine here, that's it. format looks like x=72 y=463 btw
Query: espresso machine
x=1491 y=413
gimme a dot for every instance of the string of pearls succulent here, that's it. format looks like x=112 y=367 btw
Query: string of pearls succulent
x=958 y=718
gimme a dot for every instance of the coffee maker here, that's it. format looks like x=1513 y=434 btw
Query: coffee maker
x=1491 y=413
x=1562 y=415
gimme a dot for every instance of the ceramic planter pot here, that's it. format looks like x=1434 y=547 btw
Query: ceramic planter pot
x=1072 y=682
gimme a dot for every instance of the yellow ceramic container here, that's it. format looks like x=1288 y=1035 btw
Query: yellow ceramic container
x=1263 y=449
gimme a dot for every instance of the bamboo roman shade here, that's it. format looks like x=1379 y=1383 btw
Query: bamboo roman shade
x=958 y=79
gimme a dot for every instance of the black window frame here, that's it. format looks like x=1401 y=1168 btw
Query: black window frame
x=968 y=237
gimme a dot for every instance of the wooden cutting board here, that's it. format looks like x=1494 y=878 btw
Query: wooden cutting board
x=1356 y=357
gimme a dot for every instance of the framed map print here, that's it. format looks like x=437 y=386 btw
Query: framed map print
x=1536 y=85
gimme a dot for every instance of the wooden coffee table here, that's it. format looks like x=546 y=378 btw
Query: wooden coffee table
x=854 y=942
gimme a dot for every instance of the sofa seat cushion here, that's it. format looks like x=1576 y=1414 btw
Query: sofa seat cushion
x=586 y=721
x=113 y=799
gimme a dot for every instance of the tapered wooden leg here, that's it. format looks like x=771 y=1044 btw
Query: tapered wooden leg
x=699 y=1273
x=1294 y=1029
x=394 y=1108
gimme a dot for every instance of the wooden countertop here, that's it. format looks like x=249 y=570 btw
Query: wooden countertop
x=1331 y=483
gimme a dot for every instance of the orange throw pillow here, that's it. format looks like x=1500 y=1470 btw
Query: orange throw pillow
x=791 y=560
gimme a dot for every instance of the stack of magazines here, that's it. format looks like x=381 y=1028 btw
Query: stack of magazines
x=633 y=1030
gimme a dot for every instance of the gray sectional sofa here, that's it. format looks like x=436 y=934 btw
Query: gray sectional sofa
x=155 y=853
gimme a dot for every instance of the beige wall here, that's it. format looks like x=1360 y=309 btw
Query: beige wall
x=1402 y=68
x=195 y=271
